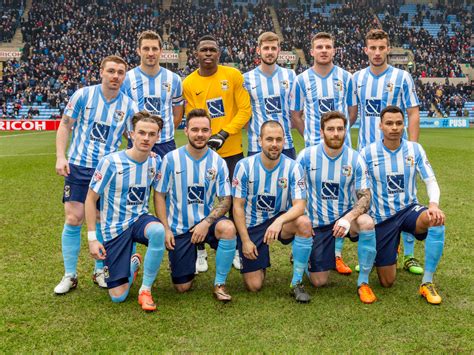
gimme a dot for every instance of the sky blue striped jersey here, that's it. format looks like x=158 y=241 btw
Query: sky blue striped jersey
x=99 y=124
x=317 y=95
x=191 y=187
x=393 y=176
x=124 y=187
x=270 y=99
x=331 y=182
x=374 y=93
x=267 y=192
x=156 y=95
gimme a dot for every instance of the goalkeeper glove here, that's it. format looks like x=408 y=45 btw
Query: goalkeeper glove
x=217 y=140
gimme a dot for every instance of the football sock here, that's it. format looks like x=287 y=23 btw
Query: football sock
x=134 y=248
x=434 y=246
x=339 y=245
x=224 y=257
x=408 y=244
x=71 y=245
x=301 y=251
x=366 y=253
x=99 y=264
x=133 y=268
x=154 y=253
x=121 y=298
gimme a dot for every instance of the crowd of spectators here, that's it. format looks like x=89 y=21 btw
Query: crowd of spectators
x=9 y=19
x=445 y=99
x=65 y=41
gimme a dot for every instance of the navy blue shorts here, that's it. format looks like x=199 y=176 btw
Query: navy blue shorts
x=76 y=185
x=388 y=233
x=183 y=258
x=322 y=257
x=119 y=251
x=160 y=148
x=290 y=153
x=256 y=235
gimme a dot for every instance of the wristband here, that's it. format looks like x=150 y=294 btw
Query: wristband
x=91 y=236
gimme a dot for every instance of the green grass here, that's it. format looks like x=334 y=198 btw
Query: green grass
x=32 y=318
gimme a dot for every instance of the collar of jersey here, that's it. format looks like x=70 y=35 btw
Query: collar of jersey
x=130 y=158
x=337 y=156
x=323 y=77
x=259 y=157
x=149 y=76
x=103 y=97
x=402 y=142
x=192 y=158
x=382 y=73
x=272 y=74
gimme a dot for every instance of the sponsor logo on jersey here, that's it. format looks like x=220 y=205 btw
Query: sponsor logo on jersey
x=153 y=105
x=136 y=195
x=195 y=194
x=215 y=107
x=330 y=190
x=99 y=132
x=266 y=203
x=272 y=104
x=325 y=105
x=395 y=183
x=373 y=107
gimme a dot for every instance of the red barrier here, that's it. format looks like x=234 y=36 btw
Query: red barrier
x=29 y=125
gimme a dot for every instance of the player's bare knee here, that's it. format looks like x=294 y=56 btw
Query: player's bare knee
x=386 y=282
x=303 y=227
x=74 y=220
x=254 y=285
x=318 y=280
x=225 y=229
x=182 y=288
x=365 y=222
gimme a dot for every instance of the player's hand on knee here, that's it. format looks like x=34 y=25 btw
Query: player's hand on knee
x=249 y=250
x=436 y=216
x=341 y=228
x=200 y=231
x=62 y=167
x=97 y=250
x=272 y=232
x=169 y=240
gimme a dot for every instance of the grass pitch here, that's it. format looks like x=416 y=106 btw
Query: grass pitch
x=32 y=318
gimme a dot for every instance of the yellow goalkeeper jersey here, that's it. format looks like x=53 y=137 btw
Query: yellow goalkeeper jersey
x=223 y=96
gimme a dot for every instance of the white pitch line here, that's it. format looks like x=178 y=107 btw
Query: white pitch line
x=25 y=134
x=24 y=155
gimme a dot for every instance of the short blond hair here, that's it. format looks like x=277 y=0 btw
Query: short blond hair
x=377 y=33
x=322 y=35
x=268 y=37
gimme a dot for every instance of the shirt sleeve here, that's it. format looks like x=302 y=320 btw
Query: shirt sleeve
x=240 y=181
x=423 y=166
x=125 y=88
x=361 y=175
x=223 y=180
x=409 y=97
x=164 y=176
x=297 y=182
x=296 y=97
x=102 y=176
x=156 y=179
x=242 y=100
x=132 y=110
x=75 y=105
x=178 y=99
x=351 y=98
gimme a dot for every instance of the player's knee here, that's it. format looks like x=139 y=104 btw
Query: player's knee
x=254 y=285
x=318 y=280
x=365 y=222
x=182 y=288
x=386 y=283
x=303 y=227
x=225 y=229
x=74 y=220
x=119 y=294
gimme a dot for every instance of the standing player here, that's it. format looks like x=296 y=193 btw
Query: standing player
x=269 y=86
x=323 y=88
x=377 y=87
x=191 y=178
x=392 y=165
x=98 y=116
x=156 y=90
x=269 y=202
x=123 y=182
x=219 y=89
x=334 y=174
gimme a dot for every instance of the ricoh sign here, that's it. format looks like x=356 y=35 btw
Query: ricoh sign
x=29 y=125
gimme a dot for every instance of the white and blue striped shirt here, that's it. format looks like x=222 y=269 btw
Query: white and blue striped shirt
x=267 y=192
x=375 y=92
x=157 y=95
x=393 y=176
x=99 y=124
x=124 y=187
x=270 y=99
x=331 y=182
x=191 y=187
x=318 y=95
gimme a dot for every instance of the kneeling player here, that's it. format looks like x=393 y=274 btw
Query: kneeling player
x=334 y=173
x=392 y=166
x=190 y=180
x=269 y=202
x=123 y=182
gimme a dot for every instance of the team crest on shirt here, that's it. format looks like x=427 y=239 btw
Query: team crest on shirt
x=410 y=161
x=283 y=182
x=285 y=84
x=339 y=85
x=235 y=182
x=346 y=170
x=301 y=183
x=119 y=116
x=67 y=191
x=390 y=86
x=225 y=85
x=97 y=176
x=211 y=174
x=166 y=86
x=151 y=172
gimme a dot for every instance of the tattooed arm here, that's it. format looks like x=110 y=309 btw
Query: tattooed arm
x=62 y=137
x=342 y=225
x=201 y=229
